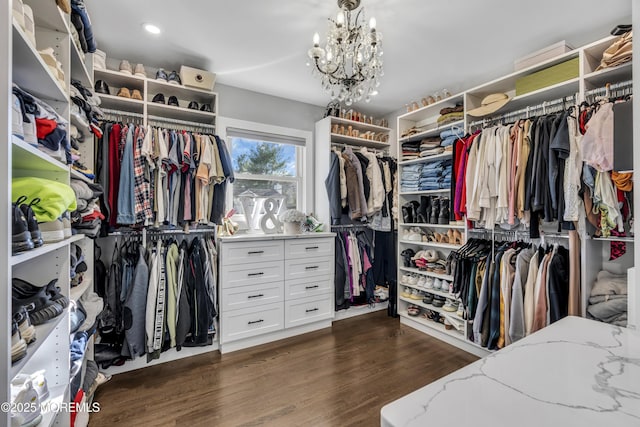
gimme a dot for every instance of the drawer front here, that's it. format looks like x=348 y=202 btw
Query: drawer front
x=302 y=248
x=309 y=267
x=252 y=274
x=249 y=322
x=308 y=310
x=250 y=252
x=311 y=287
x=252 y=295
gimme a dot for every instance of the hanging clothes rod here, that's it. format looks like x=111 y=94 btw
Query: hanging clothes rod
x=349 y=226
x=162 y=120
x=135 y=232
x=353 y=147
x=626 y=87
x=111 y=112
x=528 y=111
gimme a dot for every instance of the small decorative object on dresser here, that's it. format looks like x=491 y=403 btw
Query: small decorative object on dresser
x=292 y=220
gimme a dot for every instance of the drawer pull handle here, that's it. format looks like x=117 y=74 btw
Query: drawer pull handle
x=312 y=310
x=255 y=274
x=312 y=267
x=255 y=296
x=253 y=322
x=254 y=252
x=312 y=287
x=312 y=247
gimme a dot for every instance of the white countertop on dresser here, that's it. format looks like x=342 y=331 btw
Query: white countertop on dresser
x=255 y=237
x=575 y=372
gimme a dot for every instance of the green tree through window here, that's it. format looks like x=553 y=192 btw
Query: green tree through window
x=264 y=159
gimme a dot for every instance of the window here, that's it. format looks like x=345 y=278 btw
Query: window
x=268 y=162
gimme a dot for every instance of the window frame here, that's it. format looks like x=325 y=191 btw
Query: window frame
x=304 y=158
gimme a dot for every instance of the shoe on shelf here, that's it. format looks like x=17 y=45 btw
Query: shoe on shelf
x=193 y=105
x=435 y=210
x=413 y=310
x=54 y=293
x=450 y=306
x=32 y=222
x=416 y=295
x=381 y=293
x=25 y=401
x=429 y=284
x=125 y=67
x=139 y=71
x=124 y=92
x=428 y=298
x=37 y=300
x=159 y=98
x=21 y=237
x=173 y=101
x=407 y=216
x=135 y=94
x=406 y=292
x=101 y=87
x=161 y=74
x=460 y=312
x=443 y=217
x=423 y=210
x=446 y=286
x=38 y=382
x=20 y=316
x=438 y=301
x=422 y=282
x=174 y=79
x=52 y=231
x=413 y=280
x=18 y=344
x=16 y=117
x=206 y=108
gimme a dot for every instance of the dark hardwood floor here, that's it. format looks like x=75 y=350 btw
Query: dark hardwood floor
x=335 y=377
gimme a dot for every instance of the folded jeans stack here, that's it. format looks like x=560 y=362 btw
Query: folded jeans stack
x=450 y=136
x=435 y=176
x=410 y=178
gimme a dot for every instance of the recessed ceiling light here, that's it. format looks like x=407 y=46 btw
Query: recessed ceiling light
x=151 y=28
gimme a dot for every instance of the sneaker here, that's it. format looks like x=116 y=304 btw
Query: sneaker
x=206 y=108
x=18 y=344
x=37 y=300
x=428 y=298
x=139 y=71
x=32 y=222
x=159 y=98
x=450 y=305
x=66 y=224
x=55 y=294
x=38 y=382
x=30 y=131
x=26 y=403
x=406 y=292
x=437 y=283
x=422 y=281
x=102 y=87
x=20 y=316
x=52 y=231
x=381 y=293
x=125 y=67
x=429 y=283
x=193 y=105
x=136 y=95
x=21 y=237
x=416 y=295
x=413 y=310
x=173 y=101
x=124 y=92
x=438 y=301
x=460 y=311
x=161 y=74
x=174 y=79
x=16 y=117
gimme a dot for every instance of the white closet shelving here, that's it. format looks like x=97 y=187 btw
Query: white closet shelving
x=26 y=68
x=325 y=139
x=594 y=251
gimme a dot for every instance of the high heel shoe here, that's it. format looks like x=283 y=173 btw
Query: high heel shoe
x=451 y=236
x=457 y=237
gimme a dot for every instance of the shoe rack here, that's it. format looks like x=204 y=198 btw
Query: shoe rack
x=27 y=68
x=594 y=252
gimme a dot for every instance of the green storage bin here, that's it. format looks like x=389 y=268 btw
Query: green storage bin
x=548 y=77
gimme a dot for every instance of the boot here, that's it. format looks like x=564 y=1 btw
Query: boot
x=407 y=216
x=422 y=210
x=435 y=210
x=414 y=210
x=443 y=218
x=428 y=209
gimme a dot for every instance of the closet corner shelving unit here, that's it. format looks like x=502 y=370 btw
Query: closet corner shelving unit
x=594 y=252
x=324 y=141
x=149 y=113
x=28 y=70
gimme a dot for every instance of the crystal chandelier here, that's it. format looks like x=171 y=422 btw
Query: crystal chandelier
x=350 y=64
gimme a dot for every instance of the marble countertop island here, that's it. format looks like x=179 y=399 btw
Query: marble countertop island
x=576 y=372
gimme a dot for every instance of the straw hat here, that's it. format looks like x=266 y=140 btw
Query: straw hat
x=490 y=104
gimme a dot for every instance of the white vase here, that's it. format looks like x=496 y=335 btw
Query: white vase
x=292 y=227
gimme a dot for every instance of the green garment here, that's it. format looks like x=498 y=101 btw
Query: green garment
x=55 y=197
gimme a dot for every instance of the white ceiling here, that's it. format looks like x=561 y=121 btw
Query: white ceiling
x=261 y=45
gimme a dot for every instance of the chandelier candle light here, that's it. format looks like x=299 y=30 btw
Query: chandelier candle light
x=350 y=64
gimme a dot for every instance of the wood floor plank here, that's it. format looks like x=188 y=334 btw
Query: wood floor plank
x=334 y=377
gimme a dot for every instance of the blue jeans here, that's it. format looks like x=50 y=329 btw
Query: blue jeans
x=78 y=7
x=126 y=200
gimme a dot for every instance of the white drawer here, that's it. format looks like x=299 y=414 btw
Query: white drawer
x=312 y=287
x=308 y=310
x=250 y=252
x=252 y=295
x=252 y=274
x=302 y=248
x=249 y=322
x=309 y=267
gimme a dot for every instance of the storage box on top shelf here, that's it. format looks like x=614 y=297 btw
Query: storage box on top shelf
x=542 y=55
x=195 y=78
x=548 y=77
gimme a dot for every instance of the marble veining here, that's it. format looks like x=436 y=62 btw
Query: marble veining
x=574 y=372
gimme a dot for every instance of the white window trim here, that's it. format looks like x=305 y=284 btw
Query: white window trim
x=305 y=158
